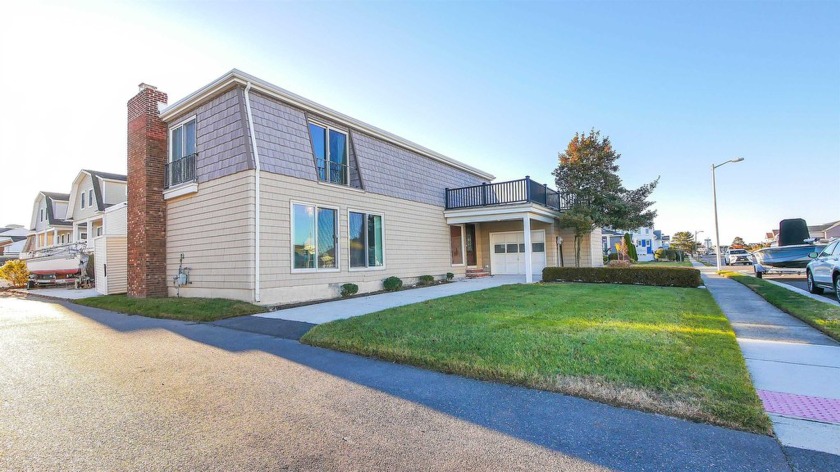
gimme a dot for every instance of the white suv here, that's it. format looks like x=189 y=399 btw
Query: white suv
x=739 y=256
x=824 y=271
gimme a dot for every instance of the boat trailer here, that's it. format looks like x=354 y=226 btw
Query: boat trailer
x=761 y=270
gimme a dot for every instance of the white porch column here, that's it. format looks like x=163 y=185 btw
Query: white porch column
x=526 y=226
x=89 y=231
x=55 y=237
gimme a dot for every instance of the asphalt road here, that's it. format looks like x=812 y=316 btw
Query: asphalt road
x=86 y=389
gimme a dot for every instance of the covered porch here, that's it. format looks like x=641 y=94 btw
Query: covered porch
x=506 y=228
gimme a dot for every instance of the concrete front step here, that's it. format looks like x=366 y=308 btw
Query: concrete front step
x=476 y=273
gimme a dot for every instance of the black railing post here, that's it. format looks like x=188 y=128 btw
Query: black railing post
x=527 y=188
x=483 y=193
x=446 y=192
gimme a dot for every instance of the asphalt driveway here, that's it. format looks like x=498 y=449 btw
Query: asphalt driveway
x=88 y=389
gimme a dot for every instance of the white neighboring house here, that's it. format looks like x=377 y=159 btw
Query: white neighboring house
x=646 y=239
x=91 y=194
x=66 y=229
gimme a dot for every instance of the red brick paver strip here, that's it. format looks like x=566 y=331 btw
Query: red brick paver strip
x=822 y=409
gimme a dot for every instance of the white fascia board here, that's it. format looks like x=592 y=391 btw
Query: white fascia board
x=115 y=207
x=501 y=213
x=238 y=77
x=180 y=191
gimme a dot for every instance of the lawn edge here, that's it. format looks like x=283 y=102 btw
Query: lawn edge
x=419 y=362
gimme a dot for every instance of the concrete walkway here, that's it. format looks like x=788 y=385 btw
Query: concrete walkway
x=357 y=306
x=794 y=367
x=62 y=293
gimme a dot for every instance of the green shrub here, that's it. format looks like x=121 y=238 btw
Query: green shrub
x=450 y=276
x=613 y=256
x=15 y=272
x=392 y=284
x=349 y=289
x=425 y=280
x=658 y=276
x=659 y=254
x=631 y=248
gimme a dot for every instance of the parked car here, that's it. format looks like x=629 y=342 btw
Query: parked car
x=823 y=273
x=739 y=256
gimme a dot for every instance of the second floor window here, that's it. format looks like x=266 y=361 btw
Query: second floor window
x=182 y=141
x=182 y=152
x=330 y=149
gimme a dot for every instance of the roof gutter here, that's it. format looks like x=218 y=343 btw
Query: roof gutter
x=257 y=193
x=238 y=77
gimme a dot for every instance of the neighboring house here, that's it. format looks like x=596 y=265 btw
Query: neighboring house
x=49 y=226
x=68 y=228
x=646 y=240
x=91 y=193
x=825 y=231
x=265 y=196
x=12 y=240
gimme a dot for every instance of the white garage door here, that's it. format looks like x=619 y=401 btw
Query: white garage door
x=507 y=252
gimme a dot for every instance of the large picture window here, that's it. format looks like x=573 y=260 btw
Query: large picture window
x=366 y=240
x=330 y=149
x=314 y=236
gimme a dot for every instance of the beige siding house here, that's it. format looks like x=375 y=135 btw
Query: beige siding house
x=271 y=198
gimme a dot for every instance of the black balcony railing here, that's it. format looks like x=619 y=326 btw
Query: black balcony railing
x=180 y=171
x=505 y=193
x=332 y=172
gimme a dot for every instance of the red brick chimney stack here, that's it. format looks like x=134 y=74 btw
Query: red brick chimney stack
x=147 y=157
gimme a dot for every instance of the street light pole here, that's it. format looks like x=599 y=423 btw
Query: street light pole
x=714 y=200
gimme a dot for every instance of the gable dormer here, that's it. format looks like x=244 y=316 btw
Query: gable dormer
x=93 y=191
x=49 y=210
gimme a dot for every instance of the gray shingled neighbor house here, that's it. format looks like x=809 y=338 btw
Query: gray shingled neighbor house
x=265 y=196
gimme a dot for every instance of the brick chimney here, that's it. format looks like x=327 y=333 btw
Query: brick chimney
x=147 y=156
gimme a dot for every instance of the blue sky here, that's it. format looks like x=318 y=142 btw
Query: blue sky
x=502 y=86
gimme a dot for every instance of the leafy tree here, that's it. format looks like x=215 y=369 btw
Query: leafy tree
x=631 y=248
x=587 y=175
x=15 y=272
x=683 y=241
x=738 y=242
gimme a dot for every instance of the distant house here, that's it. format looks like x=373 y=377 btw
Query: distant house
x=69 y=228
x=825 y=231
x=245 y=190
x=646 y=241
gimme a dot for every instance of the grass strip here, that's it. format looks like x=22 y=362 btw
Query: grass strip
x=820 y=315
x=659 y=349
x=185 y=309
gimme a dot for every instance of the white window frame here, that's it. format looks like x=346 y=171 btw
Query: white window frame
x=172 y=129
x=90 y=197
x=463 y=247
x=337 y=237
x=329 y=128
x=83 y=199
x=384 y=254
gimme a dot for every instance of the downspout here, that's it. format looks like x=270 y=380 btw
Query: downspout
x=257 y=197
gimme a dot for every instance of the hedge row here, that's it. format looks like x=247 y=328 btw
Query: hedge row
x=658 y=276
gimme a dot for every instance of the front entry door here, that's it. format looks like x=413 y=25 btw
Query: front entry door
x=469 y=243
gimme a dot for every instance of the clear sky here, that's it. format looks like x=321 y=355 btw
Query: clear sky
x=677 y=86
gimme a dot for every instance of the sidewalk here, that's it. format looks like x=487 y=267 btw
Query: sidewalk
x=795 y=368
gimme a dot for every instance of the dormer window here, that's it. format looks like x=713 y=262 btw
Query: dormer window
x=90 y=197
x=83 y=199
x=330 y=148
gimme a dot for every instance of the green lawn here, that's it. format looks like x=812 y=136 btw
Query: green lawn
x=820 y=315
x=661 y=349
x=187 y=309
